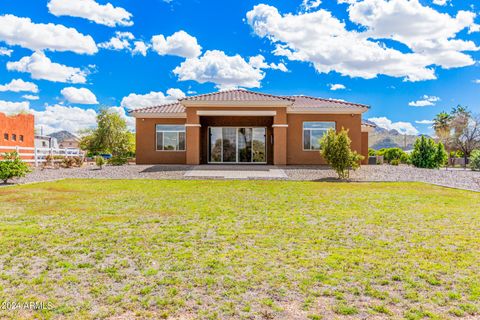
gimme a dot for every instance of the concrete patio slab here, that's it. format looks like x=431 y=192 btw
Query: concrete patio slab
x=236 y=172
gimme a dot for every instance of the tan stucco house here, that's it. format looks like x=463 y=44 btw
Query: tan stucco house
x=244 y=127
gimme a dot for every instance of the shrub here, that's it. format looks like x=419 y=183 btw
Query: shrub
x=335 y=148
x=118 y=160
x=371 y=152
x=78 y=161
x=427 y=154
x=475 y=160
x=100 y=161
x=68 y=162
x=390 y=154
x=405 y=158
x=12 y=166
x=395 y=162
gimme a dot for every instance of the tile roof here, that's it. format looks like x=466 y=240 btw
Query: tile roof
x=236 y=95
x=298 y=102
x=313 y=102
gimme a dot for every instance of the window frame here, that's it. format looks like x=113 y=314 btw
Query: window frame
x=303 y=133
x=6 y=136
x=21 y=138
x=14 y=137
x=163 y=137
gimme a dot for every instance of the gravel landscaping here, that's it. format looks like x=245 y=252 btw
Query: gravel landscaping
x=456 y=178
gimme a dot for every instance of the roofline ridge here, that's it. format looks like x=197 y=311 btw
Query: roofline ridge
x=155 y=106
x=237 y=89
x=333 y=100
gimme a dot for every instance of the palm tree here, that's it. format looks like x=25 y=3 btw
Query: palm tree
x=442 y=127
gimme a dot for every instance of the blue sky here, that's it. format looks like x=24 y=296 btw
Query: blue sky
x=408 y=59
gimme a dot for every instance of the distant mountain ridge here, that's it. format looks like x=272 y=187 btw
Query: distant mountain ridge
x=383 y=138
x=63 y=135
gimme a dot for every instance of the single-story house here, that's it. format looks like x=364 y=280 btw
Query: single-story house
x=244 y=127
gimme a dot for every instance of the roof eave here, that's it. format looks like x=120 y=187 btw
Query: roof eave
x=158 y=114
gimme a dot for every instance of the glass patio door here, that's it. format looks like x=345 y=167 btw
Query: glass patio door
x=237 y=145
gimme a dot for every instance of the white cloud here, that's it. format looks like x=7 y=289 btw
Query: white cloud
x=89 y=9
x=41 y=67
x=308 y=5
x=123 y=41
x=424 y=121
x=178 y=44
x=57 y=117
x=140 y=47
x=5 y=52
x=477 y=81
x=425 y=101
x=18 y=85
x=258 y=62
x=440 y=2
x=402 y=127
x=423 y=29
x=30 y=97
x=135 y=101
x=79 y=95
x=323 y=40
x=39 y=36
x=119 y=42
x=222 y=70
x=336 y=86
x=10 y=107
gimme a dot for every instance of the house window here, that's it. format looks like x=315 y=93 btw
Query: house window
x=20 y=138
x=5 y=136
x=14 y=137
x=313 y=132
x=170 y=137
x=44 y=144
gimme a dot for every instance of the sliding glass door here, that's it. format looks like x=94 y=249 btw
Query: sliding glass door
x=237 y=145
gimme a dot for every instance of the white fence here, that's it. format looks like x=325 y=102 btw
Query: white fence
x=39 y=155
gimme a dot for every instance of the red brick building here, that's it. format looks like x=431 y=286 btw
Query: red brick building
x=17 y=130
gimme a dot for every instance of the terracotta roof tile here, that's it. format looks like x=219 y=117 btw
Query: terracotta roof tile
x=313 y=102
x=236 y=95
x=164 y=108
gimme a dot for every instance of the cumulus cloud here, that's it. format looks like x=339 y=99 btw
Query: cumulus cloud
x=258 y=62
x=123 y=41
x=308 y=5
x=477 y=81
x=424 y=121
x=18 y=85
x=41 y=67
x=79 y=95
x=39 y=36
x=336 y=86
x=89 y=9
x=30 y=97
x=324 y=41
x=222 y=70
x=135 y=101
x=178 y=44
x=400 y=126
x=58 y=117
x=5 y=52
x=10 y=107
x=425 y=101
x=440 y=2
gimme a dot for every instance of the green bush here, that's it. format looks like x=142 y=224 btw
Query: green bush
x=372 y=152
x=12 y=166
x=390 y=154
x=118 y=160
x=335 y=148
x=100 y=161
x=475 y=160
x=427 y=154
x=405 y=158
x=395 y=162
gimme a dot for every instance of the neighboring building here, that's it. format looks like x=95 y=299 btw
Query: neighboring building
x=17 y=130
x=240 y=126
x=45 y=142
x=66 y=139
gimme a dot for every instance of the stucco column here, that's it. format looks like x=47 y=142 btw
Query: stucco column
x=193 y=143
x=280 y=144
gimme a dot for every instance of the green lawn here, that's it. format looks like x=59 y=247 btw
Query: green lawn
x=240 y=249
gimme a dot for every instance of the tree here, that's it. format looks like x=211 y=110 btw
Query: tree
x=466 y=133
x=110 y=136
x=335 y=148
x=12 y=166
x=427 y=154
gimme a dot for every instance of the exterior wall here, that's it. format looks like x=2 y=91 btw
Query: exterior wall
x=365 y=147
x=69 y=143
x=146 y=152
x=295 y=152
x=20 y=125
